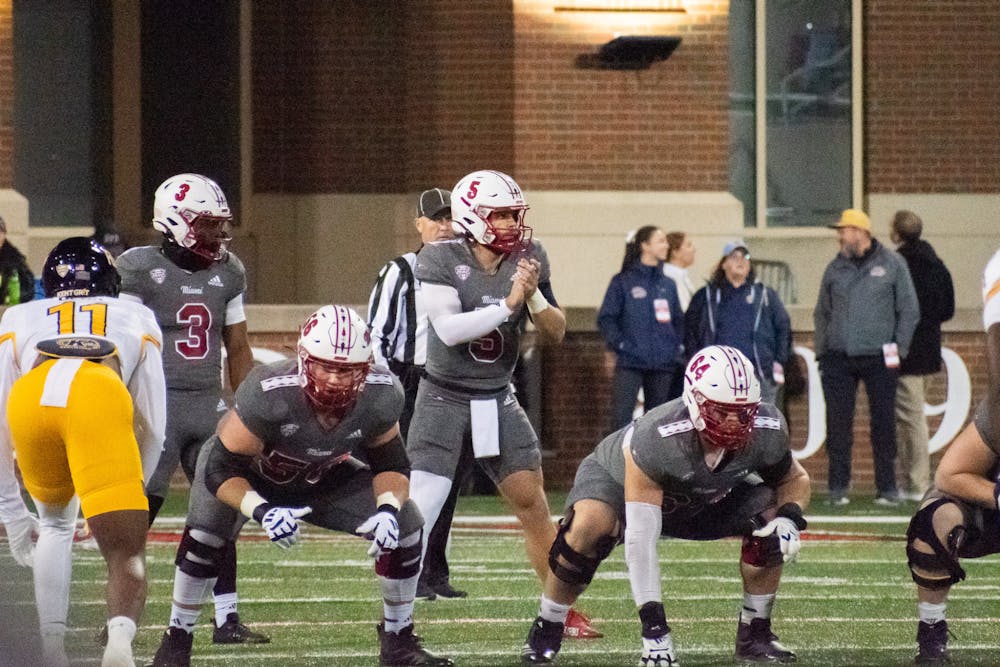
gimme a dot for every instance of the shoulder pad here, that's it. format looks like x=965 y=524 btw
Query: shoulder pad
x=767 y=422
x=280 y=381
x=378 y=377
x=673 y=428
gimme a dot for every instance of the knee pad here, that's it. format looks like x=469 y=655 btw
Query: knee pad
x=945 y=556
x=197 y=558
x=400 y=563
x=579 y=568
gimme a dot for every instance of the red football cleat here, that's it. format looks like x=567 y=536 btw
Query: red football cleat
x=578 y=626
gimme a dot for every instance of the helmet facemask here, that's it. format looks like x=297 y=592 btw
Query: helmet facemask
x=726 y=425
x=331 y=386
x=207 y=235
x=505 y=240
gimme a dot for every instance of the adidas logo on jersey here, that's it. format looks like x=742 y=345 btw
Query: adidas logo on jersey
x=216 y=281
x=221 y=407
x=355 y=435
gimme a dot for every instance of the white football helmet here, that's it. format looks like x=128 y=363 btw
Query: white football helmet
x=473 y=200
x=722 y=395
x=335 y=354
x=192 y=210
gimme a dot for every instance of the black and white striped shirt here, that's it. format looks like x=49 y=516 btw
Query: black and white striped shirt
x=396 y=314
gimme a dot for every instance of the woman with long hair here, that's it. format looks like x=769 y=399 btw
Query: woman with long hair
x=641 y=321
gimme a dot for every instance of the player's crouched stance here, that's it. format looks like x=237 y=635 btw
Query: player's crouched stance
x=712 y=464
x=957 y=518
x=283 y=454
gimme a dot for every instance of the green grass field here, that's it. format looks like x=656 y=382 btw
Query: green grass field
x=848 y=601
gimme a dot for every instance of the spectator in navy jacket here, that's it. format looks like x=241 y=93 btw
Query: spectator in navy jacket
x=735 y=309
x=642 y=323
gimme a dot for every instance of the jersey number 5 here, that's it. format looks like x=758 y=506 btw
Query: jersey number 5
x=198 y=320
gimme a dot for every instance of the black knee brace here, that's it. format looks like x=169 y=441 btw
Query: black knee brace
x=209 y=558
x=400 y=563
x=581 y=568
x=944 y=558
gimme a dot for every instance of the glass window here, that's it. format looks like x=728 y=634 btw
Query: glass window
x=806 y=139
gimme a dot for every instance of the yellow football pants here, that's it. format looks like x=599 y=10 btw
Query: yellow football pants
x=87 y=447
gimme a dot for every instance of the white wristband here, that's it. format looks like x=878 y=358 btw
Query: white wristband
x=387 y=498
x=537 y=302
x=251 y=501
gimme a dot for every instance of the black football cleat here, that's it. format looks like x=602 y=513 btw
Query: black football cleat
x=543 y=643
x=756 y=643
x=932 y=639
x=234 y=632
x=404 y=650
x=425 y=591
x=174 y=650
x=445 y=590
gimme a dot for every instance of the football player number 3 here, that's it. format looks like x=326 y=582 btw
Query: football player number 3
x=198 y=320
x=91 y=315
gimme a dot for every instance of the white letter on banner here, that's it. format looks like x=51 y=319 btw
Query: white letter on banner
x=817 y=406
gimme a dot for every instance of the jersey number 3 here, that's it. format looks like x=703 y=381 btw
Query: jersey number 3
x=198 y=320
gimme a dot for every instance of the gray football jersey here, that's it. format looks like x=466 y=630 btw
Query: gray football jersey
x=190 y=308
x=297 y=448
x=487 y=362
x=665 y=446
x=985 y=426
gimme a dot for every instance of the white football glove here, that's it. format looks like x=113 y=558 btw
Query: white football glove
x=788 y=536
x=19 y=533
x=282 y=526
x=382 y=529
x=658 y=652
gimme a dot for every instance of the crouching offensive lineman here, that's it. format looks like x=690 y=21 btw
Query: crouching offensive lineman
x=957 y=518
x=712 y=464
x=283 y=453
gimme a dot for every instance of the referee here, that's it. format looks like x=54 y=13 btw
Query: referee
x=398 y=325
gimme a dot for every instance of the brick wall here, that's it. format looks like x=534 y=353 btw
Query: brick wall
x=577 y=400
x=6 y=96
x=932 y=87
x=576 y=404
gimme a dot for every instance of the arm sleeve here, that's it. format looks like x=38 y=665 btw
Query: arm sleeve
x=643 y=523
x=384 y=312
x=907 y=309
x=149 y=398
x=452 y=326
x=782 y=329
x=12 y=506
x=608 y=316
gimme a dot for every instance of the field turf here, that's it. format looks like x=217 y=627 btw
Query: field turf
x=848 y=601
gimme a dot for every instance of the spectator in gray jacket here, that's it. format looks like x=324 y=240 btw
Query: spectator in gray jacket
x=864 y=318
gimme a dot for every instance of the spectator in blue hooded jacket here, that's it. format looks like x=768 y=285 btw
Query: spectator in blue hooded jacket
x=642 y=323
x=734 y=309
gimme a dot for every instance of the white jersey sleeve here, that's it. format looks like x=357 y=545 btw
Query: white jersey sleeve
x=12 y=506
x=991 y=292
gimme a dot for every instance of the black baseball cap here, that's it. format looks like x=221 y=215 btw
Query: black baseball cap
x=433 y=203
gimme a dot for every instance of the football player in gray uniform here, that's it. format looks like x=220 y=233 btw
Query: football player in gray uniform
x=478 y=291
x=958 y=518
x=714 y=463
x=195 y=287
x=284 y=454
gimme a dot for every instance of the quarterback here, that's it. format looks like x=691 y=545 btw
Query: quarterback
x=714 y=463
x=284 y=454
x=195 y=287
x=56 y=356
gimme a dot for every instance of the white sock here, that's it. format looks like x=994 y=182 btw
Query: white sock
x=189 y=592
x=931 y=613
x=397 y=594
x=118 y=652
x=225 y=605
x=553 y=611
x=756 y=606
x=429 y=492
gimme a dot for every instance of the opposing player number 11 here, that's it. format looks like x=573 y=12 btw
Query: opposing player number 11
x=65 y=313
